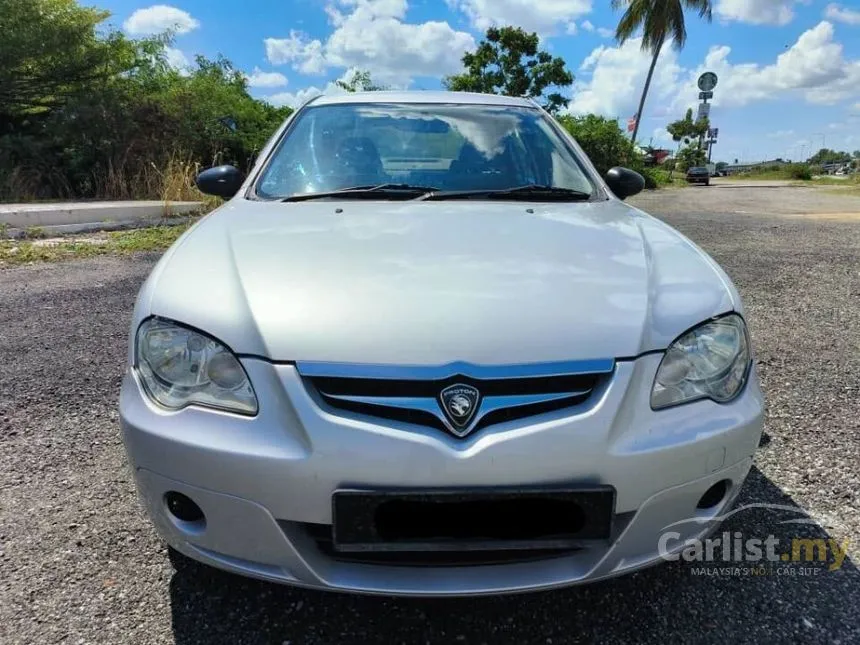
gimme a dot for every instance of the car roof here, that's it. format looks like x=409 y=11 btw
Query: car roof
x=422 y=97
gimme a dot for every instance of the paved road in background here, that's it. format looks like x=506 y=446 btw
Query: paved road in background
x=762 y=198
x=80 y=564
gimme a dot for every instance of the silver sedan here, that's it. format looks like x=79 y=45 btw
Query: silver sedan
x=425 y=348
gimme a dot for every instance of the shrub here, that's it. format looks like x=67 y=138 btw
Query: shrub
x=798 y=171
x=655 y=177
x=104 y=116
x=603 y=141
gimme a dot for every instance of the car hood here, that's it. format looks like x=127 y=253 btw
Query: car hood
x=436 y=282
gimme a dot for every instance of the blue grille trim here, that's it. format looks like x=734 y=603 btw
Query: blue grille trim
x=441 y=372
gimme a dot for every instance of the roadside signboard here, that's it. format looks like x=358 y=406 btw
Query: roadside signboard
x=707 y=82
x=704 y=111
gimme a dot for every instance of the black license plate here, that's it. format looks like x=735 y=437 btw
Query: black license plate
x=471 y=519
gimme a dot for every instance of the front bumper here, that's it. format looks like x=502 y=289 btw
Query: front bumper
x=256 y=479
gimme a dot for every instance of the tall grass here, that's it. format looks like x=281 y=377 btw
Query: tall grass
x=30 y=183
x=176 y=183
x=170 y=180
x=797 y=171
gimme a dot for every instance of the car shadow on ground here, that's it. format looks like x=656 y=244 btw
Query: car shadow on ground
x=670 y=602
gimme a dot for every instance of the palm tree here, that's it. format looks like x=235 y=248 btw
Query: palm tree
x=659 y=20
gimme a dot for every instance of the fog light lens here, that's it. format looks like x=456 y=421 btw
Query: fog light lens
x=714 y=495
x=182 y=507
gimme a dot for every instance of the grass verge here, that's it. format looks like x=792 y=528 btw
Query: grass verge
x=153 y=239
x=850 y=186
x=656 y=178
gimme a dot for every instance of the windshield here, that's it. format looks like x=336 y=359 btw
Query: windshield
x=442 y=147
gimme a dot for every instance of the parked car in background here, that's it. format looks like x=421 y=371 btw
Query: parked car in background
x=425 y=348
x=699 y=175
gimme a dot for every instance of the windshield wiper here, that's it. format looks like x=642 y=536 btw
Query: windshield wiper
x=534 y=192
x=402 y=190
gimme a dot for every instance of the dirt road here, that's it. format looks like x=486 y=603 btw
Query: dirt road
x=80 y=564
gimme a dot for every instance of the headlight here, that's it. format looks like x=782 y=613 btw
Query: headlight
x=709 y=362
x=180 y=367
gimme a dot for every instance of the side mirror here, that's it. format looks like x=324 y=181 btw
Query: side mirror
x=624 y=182
x=221 y=181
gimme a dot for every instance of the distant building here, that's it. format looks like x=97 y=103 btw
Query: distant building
x=733 y=169
x=655 y=156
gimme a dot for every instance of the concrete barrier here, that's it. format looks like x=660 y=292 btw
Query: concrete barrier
x=89 y=214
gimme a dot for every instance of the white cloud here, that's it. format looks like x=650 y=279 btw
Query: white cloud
x=814 y=67
x=617 y=75
x=842 y=14
x=661 y=135
x=160 y=18
x=177 y=60
x=757 y=12
x=586 y=25
x=295 y=99
x=259 y=78
x=605 y=33
x=542 y=16
x=305 y=54
x=571 y=29
x=292 y=99
x=372 y=35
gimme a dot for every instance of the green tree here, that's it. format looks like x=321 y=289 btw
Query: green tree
x=659 y=21
x=87 y=112
x=826 y=155
x=686 y=129
x=213 y=117
x=691 y=155
x=360 y=81
x=509 y=61
x=50 y=50
x=602 y=140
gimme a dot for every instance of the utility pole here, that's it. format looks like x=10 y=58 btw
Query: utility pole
x=707 y=82
x=823 y=139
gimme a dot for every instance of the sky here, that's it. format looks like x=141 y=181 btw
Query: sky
x=788 y=70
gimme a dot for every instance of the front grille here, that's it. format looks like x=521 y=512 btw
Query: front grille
x=406 y=395
x=488 y=387
x=321 y=534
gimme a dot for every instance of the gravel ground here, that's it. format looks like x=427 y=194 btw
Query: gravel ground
x=80 y=564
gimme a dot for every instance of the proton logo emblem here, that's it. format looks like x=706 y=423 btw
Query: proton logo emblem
x=460 y=405
x=459 y=402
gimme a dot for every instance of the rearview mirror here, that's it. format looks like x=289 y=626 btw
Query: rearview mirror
x=221 y=181
x=624 y=182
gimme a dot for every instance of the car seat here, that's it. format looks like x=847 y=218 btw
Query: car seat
x=358 y=162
